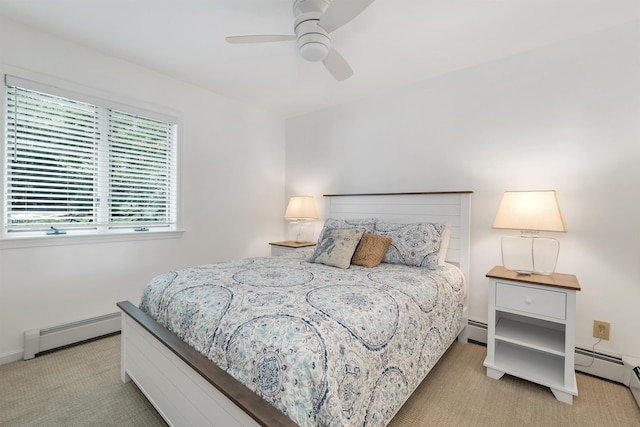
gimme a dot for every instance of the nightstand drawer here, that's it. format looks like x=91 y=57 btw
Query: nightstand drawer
x=531 y=300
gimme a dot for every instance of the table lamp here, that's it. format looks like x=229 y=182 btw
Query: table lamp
x=301 y=211
x=530 y=212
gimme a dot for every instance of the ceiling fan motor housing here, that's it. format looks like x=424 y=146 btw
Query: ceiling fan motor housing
x=306 y=6
x=314 y=42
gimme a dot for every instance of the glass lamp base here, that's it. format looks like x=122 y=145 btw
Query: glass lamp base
x=301 y=231
x=528 y=254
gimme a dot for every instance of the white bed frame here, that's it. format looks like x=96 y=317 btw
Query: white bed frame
x=189 y=390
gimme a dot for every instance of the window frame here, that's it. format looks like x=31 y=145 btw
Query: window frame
x=52 y=86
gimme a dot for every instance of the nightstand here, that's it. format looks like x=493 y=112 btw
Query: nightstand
x=532 y=329
x=280 y=248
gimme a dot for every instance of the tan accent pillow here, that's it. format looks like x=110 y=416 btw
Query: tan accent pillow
x=371 y=250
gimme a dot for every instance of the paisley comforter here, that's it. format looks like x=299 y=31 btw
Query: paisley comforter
x=326 y=346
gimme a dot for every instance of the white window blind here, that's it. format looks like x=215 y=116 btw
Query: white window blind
x=75 y=165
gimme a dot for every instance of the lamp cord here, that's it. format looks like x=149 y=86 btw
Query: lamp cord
x=593 y=355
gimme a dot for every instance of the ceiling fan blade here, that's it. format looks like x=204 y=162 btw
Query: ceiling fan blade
x=260 y=38
x=339 y=12
x=337 y=66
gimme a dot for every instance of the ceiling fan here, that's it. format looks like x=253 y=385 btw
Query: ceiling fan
x=314 y=21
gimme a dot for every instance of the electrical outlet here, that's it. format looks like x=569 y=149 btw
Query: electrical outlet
x=601 y=329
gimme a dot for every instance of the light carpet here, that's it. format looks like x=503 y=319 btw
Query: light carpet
x=80 y=386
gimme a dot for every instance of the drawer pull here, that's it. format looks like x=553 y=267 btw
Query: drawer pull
x=528 y=300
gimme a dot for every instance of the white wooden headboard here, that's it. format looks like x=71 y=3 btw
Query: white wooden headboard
x=452 y=208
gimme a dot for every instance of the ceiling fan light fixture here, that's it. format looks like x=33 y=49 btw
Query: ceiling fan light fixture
x=314 y=51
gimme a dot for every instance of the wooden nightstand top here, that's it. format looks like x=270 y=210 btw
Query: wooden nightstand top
x=292 y=244
x=558 y=280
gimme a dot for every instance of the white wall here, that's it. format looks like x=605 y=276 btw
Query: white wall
x=564 y=117
x=232 y=180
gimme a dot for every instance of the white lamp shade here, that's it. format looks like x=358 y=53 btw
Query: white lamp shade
x=530 y=210
x=301 y=208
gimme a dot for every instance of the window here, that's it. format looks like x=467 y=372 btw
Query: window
x=75 y=166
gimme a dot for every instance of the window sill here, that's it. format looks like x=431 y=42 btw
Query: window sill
x=84 y=239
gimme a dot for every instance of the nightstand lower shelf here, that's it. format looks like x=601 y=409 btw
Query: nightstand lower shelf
x=541 y=368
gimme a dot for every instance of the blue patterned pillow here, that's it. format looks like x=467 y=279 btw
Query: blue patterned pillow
x=416 y=244
x=337 y=246
x=368 y=224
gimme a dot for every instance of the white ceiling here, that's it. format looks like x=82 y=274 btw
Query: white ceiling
x=393 y=43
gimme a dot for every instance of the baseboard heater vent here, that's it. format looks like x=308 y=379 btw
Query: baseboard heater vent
x=39 y=340
x=477 y=331
x=599 y=356
x=478 y=324
x=592 y=362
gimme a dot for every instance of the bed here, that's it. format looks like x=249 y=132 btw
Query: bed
x=299 y=339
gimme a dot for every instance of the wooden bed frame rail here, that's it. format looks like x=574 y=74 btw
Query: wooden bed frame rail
x=165 y=349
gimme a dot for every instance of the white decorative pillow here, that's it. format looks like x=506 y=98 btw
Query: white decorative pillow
x=337 y=246
x=416 y=244
x=368 y=224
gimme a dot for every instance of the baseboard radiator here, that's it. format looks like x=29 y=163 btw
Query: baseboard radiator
x=39 y=340
x=477 y=331
x=634 y=384
x=602 y=365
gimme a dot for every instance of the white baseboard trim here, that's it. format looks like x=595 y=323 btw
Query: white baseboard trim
x=10 y=357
